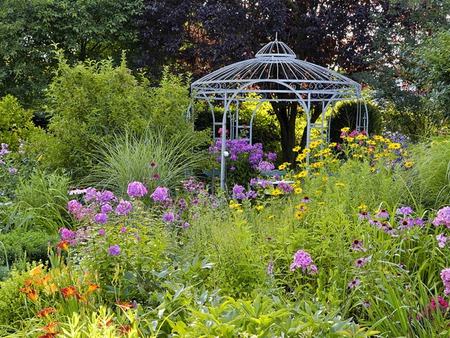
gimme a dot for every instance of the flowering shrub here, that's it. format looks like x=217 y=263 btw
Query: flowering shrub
x=244 y=161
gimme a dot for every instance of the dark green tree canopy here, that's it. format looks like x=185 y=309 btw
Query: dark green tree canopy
x=31 y=31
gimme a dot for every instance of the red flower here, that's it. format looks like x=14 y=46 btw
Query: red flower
x=69 y=291
x=124 y=329
x=124 y=306
x=46 y=311
x=64 y=245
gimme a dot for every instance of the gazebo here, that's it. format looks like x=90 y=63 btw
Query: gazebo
x=275 y=75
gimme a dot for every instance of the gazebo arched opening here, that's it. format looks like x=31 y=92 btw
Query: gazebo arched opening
x=275 y=75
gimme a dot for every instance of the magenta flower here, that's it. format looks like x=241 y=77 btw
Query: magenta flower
x=101 y=218
x=101 y=232
x=443 y=217
x=270 y=268
x=13 y=171
x=75 y=208
x=160 y=194
x=123 y=208
x=445 y=276
x=106 y=208
x=404 y=211
x=66 y=234
x=91 y=194
x=136 y=189
x=303 y=260
x=106 y=196
x=169 y=217
x=114 y=250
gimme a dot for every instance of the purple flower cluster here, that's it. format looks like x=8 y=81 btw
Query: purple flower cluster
x=239 y=193
x=443 y=217
x=240 y=147
x=192 y=186
x=303 y=260
x=403 y=217
x=136 y=189
x=445 y=276
x=160 y=194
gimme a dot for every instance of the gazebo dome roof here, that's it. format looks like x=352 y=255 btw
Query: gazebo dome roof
x=276 y=69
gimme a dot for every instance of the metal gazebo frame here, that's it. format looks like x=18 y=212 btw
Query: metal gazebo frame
x=275 y=75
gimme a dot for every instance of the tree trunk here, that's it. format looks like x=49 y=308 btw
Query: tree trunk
x=286 y=114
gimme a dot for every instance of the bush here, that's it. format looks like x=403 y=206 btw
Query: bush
x=344 y=115
x=152 y=158
x=31 y=245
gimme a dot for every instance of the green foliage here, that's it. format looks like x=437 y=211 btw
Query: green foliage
x=344 y=115
x=89 y=103
x=92 y=102
x=418 y=123
x=430 y=70
x=40 y=203
x=30 y=31
x=15 y=122
x=29 y=244
x=129 y=158
x=430 y=177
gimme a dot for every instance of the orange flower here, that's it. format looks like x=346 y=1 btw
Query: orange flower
x=92 y=287
x=26 y=288
x=69 y=291
x=46 y=311
x=124 y=329
x=81 y=298
x=32 y=295
x=124 y=306
x=64 y=245
x=51 y=328
x=104 y=322
x=37 y=270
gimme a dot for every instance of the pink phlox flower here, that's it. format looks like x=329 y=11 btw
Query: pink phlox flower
x=443 y=217
x=404 y=211
x=136 y=189
x=91 y=194
x=442 y=240
x=302 y=259
x=114 y=250
x=123 y=208
x=101 y=218
x=160 y=194
x=445 y=276
x=106 y=196
x=75 y=208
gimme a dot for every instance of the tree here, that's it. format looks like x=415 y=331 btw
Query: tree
x=32 y=30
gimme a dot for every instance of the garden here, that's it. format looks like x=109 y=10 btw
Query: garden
x=116 y=219
x=349 y=242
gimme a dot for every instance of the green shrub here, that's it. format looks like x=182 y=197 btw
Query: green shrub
x=344 y=115
x=19 y=244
